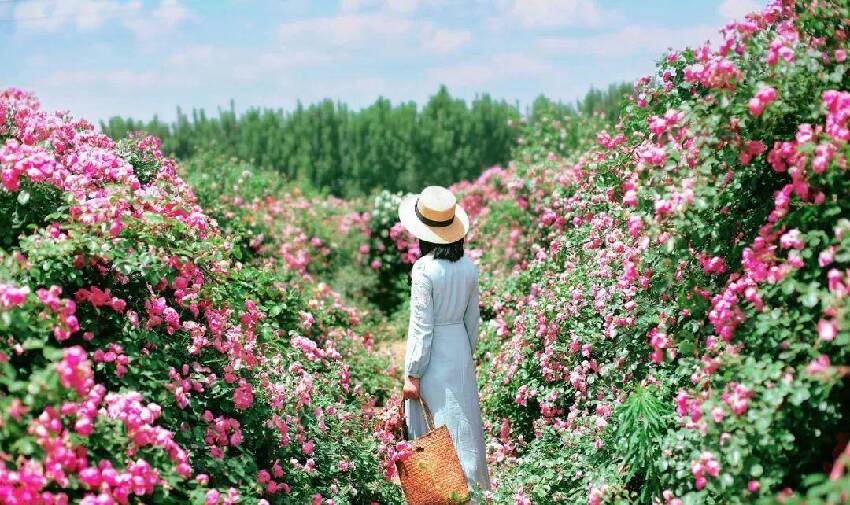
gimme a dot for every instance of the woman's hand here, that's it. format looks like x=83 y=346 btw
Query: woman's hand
x=411 y=389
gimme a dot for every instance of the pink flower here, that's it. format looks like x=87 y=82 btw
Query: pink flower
x=712 y=265
x=84 y=426
x=765 y=96
x=819 y=365
x=635 y=226
x=307 y=319
x=263 y=476
x=791 y=240
x=825 y=257
x=184 y=470
x=663 y=207
x=90 y=476
x=737 y=397
x=838 y=107
x=630 y=198
x=212 y=497
x=717 y=414
x=521 y=498
x=707 y=464
x=756 y=107
x=75 y=371
x=670 y=499
x=522 y=395
x=11 y=296
x=243 y=395
x=827 y=329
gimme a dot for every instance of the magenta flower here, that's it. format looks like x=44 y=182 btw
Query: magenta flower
x=11 y=296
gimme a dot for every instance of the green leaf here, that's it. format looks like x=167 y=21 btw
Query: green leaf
x=799 y=396
x=810 y=298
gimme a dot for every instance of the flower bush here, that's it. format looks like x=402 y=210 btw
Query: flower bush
x=389 y=251
x=675 y=328
x=150 y=353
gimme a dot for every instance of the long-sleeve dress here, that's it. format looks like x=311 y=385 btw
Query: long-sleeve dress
x=441 y=336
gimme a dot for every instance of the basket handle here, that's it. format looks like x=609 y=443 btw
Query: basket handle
x=429 y=419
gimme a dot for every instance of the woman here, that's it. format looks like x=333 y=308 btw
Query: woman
x=443 y=329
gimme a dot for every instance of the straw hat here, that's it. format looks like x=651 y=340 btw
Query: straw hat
x=434 y=216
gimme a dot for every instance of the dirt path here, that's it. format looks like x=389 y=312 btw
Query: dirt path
x=395 y=349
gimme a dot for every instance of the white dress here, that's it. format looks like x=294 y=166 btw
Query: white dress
x=443 y=332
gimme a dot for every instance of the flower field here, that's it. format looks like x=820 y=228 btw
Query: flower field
x=665 y=302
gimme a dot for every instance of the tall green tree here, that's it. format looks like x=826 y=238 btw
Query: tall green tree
x=349 y=153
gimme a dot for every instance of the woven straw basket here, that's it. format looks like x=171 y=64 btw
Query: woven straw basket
x=432 y=474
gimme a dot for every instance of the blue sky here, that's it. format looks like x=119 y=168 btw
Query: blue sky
x=99 y=58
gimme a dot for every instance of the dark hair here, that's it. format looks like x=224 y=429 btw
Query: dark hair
x=451 y=252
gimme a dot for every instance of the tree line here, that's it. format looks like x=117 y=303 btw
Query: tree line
x=330 y=147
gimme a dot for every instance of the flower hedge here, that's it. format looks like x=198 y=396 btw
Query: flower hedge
x=675 y=328
x=146 y=355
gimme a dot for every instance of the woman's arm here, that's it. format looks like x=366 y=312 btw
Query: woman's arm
x=472 y=315
x=420 y=329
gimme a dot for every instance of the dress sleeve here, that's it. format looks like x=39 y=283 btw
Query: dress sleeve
x=420 y=330
x=472 y=315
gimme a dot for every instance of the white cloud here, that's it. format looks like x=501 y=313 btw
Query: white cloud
x=289 y=59
x=344 y=30
x=518 y=64
x=60 y=79
x=401 y=6
x=171 y=13
x=195 y=64
x=148 y=27
x=737 y=9
x=446 y=41
x=68 y=78
x=193 y=55
x=88 y=15
x=476 y=74
x=393 y=6
x=367 y=28
x=629 y=40
x=128 y=79
x=51 y=15
x=333 y=37
x=549 y=13
x=461 y=74
x=350 y=5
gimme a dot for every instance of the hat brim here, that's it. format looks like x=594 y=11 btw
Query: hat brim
x=436 y=234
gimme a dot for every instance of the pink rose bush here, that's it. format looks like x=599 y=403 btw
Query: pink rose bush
x=156 y=351
x=670 y=324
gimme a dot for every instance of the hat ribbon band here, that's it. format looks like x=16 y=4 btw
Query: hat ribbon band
x=431 y=222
